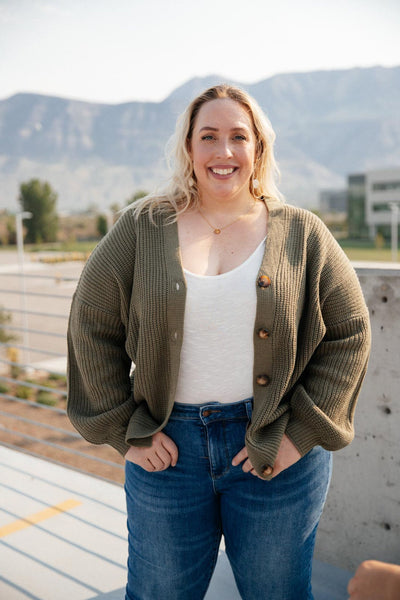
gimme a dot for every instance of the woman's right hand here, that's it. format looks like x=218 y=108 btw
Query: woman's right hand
x=163 y=453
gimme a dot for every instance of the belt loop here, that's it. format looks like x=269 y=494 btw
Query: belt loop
x=249 y=407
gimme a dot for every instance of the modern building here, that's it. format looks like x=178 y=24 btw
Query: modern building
x=373 y=202
x=333 y=201
x=357 y=224
x=382 y=199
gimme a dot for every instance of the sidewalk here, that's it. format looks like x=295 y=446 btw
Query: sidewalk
x=62 y=537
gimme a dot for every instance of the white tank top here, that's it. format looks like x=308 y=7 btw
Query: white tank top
x=217 y=351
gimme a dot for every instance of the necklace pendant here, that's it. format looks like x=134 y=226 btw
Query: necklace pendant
x=217 y=231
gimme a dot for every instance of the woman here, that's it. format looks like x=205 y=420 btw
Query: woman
x=250 y=339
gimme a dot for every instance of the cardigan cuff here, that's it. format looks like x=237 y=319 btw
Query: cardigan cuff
x=302 y=436
x=329 y=435
x=145 y=442
x=141 y=427
x=263 y=445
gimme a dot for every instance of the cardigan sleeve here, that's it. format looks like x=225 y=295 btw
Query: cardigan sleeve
x=322 y=402
x=100 y=399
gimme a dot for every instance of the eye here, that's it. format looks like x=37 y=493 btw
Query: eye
x=240 y=138
x=207 y=137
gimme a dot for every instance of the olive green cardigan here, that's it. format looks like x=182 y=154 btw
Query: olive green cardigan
x=311 y=337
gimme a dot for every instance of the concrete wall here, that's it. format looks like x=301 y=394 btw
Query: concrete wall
x=362 y=516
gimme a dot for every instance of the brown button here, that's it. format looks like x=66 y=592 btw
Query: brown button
x=264 y=281
x=263 y=380
x=263 y=333
x=267 y=470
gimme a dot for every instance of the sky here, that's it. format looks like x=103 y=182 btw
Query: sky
x=114 y=51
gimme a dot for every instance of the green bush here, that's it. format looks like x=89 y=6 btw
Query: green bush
x=23 y=392
x=46 y=398
x=6 y=319
x=4 y=389
x=58 y=378
x=15 y=371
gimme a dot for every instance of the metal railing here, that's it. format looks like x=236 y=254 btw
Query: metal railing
x=33 y=394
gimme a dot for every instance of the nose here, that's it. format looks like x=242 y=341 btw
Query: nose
x=224 y=149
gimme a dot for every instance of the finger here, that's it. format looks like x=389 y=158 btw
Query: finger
x=351 y=587
x=255 y=474
x=247 y=467
x=240 y=457
x=147 y=465
x=154 y=460
x=164 y=456
x=171 y=448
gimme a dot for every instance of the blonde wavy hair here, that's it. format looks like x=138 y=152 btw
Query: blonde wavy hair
x=182 y=192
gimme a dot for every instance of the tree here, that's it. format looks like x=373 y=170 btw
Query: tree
x=115 y=211
x=115 y=207
x=102 y=225
x=38 y=198
x=11 y=232
x=136 y=196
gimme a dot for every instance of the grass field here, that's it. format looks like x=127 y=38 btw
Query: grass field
x=370 y=254
x=355 y=250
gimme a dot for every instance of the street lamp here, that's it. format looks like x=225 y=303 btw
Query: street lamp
x=19 y=217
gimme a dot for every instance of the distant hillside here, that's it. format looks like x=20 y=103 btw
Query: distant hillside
x=328 y=124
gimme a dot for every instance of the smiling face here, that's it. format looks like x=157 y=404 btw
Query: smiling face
x=222 y=148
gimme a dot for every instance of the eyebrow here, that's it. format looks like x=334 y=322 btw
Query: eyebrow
x=209 y=128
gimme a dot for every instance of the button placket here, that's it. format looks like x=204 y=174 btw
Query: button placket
x=263 y=380
x=264 y=281
x=176 y=287
x=263 y=333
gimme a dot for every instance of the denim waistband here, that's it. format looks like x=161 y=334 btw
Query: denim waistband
x=214 y=411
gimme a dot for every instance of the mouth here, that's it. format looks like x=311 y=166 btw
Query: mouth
x=223 y=170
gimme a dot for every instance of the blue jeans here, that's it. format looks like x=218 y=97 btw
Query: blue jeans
x=176 y=517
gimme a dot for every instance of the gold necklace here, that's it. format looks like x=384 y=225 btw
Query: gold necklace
x=217 y=230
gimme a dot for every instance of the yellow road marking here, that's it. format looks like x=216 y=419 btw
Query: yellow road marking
x=47 y=513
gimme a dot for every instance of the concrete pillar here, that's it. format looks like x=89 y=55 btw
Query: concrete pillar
x=362 y=515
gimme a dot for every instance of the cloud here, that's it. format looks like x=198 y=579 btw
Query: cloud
x=54 y=10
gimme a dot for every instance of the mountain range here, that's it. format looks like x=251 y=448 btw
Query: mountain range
x=328 y=124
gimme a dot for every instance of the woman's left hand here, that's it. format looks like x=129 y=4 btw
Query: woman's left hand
x=286 y=457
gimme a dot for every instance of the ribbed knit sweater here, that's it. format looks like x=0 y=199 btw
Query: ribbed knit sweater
x=311 y=337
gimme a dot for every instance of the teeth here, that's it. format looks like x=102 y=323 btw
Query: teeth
x=222 y=171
